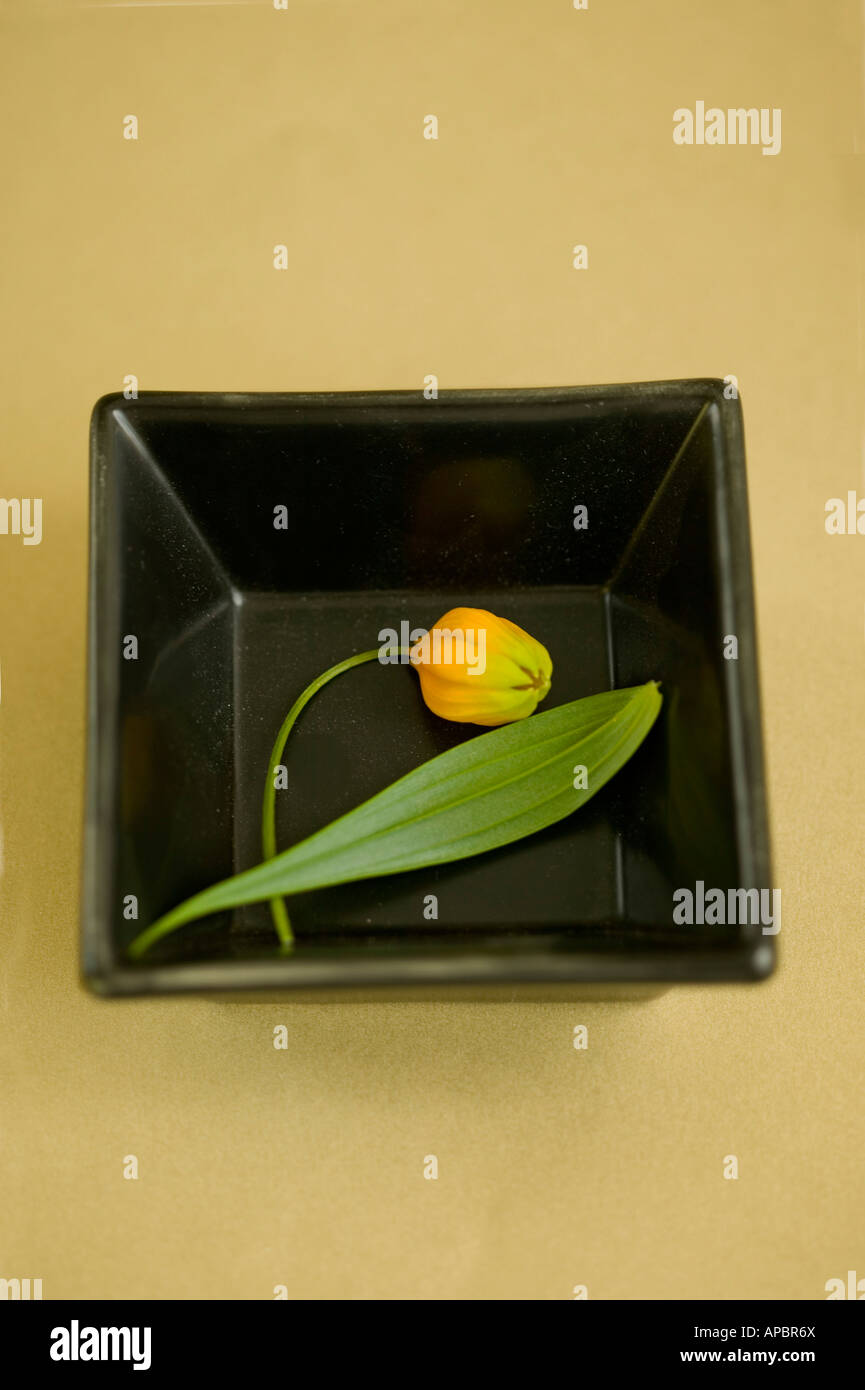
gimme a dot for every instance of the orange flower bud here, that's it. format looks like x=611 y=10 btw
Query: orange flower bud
x=475 y=668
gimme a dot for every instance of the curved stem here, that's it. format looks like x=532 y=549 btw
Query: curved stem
x=268 y=811
x=167 y=923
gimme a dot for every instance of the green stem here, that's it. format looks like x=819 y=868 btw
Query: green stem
x=268 y=811
x=167 y=923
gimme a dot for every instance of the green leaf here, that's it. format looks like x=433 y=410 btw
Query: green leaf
x=490 y=791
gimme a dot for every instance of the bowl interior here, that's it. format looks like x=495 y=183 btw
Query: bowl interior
x=252 y=546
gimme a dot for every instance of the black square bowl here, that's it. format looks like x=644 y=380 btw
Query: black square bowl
x=392 y=507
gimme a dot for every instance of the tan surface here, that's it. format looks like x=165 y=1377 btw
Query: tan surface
x=557 y=1167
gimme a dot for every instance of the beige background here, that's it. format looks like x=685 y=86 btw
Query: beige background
x=557 y=1167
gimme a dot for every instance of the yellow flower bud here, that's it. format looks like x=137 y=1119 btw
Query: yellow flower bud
x=475 y=668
